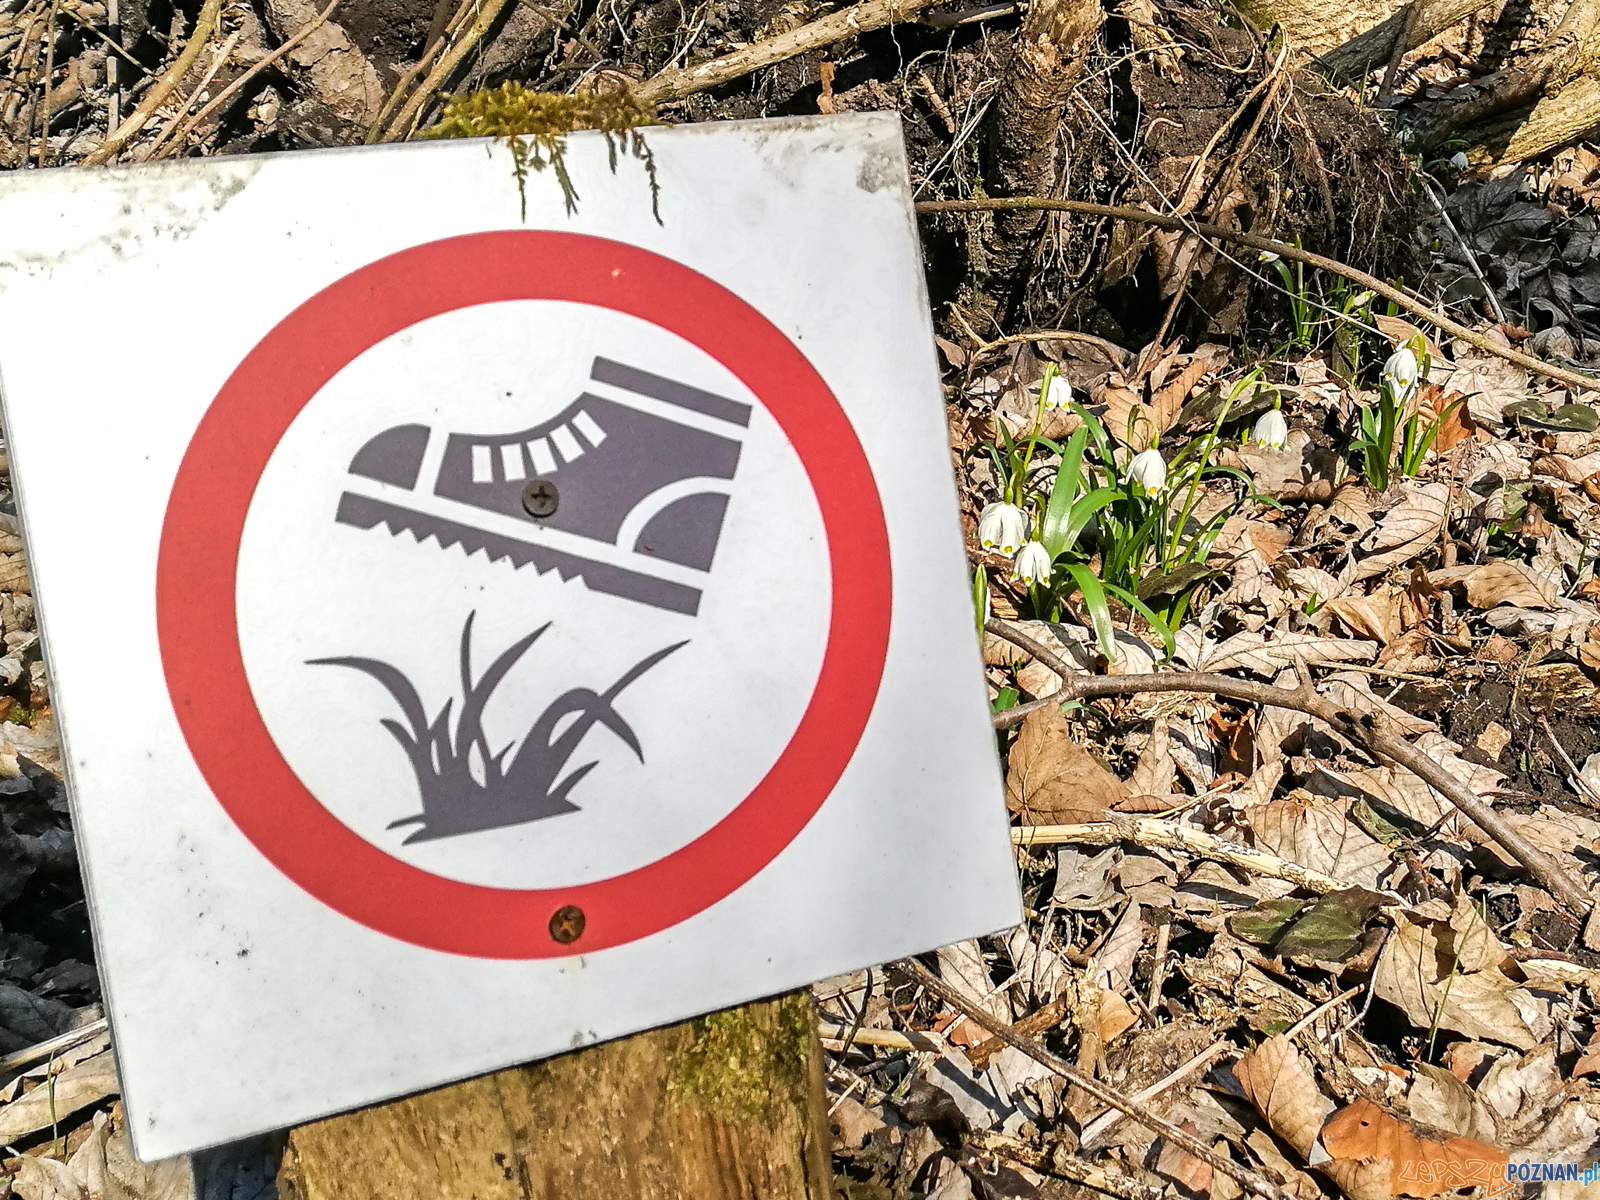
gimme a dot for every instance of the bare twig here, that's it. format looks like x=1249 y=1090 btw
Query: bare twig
x=1574 y=380
x=1352 y=727
x=175 y=133
x=1579 y=783
x=49 y=70
x=401 y=127
x=1402 y=43
x=1107 y=1121
x=858 y=19
x=1252 y=1181
x=205 y=25
x=234 y=88
x=1117 y=354
x=1466 y=250
x=24 y=1058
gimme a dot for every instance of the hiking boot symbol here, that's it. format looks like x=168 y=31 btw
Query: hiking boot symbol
x=635 y=487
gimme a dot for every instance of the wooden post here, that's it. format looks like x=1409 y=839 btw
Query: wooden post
x=725 y=1107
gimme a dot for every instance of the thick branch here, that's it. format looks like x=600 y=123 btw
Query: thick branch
x=1161 y=221
x=1371 y=49
x=1561 y=57
x=1350 y=726
x=1034 y=89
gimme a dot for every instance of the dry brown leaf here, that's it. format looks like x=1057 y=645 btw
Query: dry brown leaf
x=1419 y=1167
x=1494 y=738
x=1183 y=1168
x=40 y=1178
x=76 y=1087
x=1361 y=1178
x=1406 y=529
x=1116 y=1016
x=1496 y=582
x=1273 y=472
x=1384 y=615
x=1489 y=384
x=1457 y=426
x=1051 y=780
x=1319 y=836
x=1419 y=974
x=1279 y=1084
x=1439 y=1100
x=1399 y=331
x=1254 y=652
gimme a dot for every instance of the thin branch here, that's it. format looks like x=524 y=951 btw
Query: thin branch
x=1252 y=1181
x=835 y=27
x=1354 y=728
x=401 y=127
x=204 y=26
x=1582 y=383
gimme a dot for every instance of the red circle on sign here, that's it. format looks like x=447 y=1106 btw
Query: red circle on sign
x=196 y=592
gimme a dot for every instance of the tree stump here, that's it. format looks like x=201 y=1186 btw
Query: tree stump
x=725 y=1107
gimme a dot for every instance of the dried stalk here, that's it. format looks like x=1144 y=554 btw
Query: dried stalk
x=401 y=126
x=1581 y=383
x=1356 y=729
x=174 y=134
x=234 y=88
x=1252 y=1181
x=402 y=87
x=849 y=22
x=118 y=138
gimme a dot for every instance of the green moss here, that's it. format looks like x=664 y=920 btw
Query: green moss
x=535 y=125
x=746 y=1062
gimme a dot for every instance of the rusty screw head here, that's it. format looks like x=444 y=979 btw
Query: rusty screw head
x=540 y=498
x=566 y=924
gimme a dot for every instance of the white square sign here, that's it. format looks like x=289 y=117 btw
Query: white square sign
x=473 y=636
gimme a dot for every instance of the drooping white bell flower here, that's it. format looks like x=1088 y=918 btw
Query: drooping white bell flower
x=1271 y=430
x=1003 y=527
x=1458 y=160
x=1148 y=470
x=1033 y=564
x=1270 y=256
x=1400 y=373
x=1058 y=395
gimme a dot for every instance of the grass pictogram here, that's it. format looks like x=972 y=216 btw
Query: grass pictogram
x=465 y=785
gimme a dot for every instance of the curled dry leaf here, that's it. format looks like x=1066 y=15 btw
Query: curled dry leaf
x=1497 y=582
x=1254 y=652
x=1051 y=780
x=1279 y=1084
x=1363 y=1133
x=1447 y=972
x=1406 y=529
x=1319 y=836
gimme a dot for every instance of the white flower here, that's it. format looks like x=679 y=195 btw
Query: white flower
x=1270 y=256
x=1003 y=527
x=1361 y=300
x=1058 y=394
x=1149 y=470
x=1459 y=161
x=1400 y=373
x=1032 y=565
x=1271 y=430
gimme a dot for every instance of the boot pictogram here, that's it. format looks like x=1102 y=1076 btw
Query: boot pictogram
x=631 y=485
